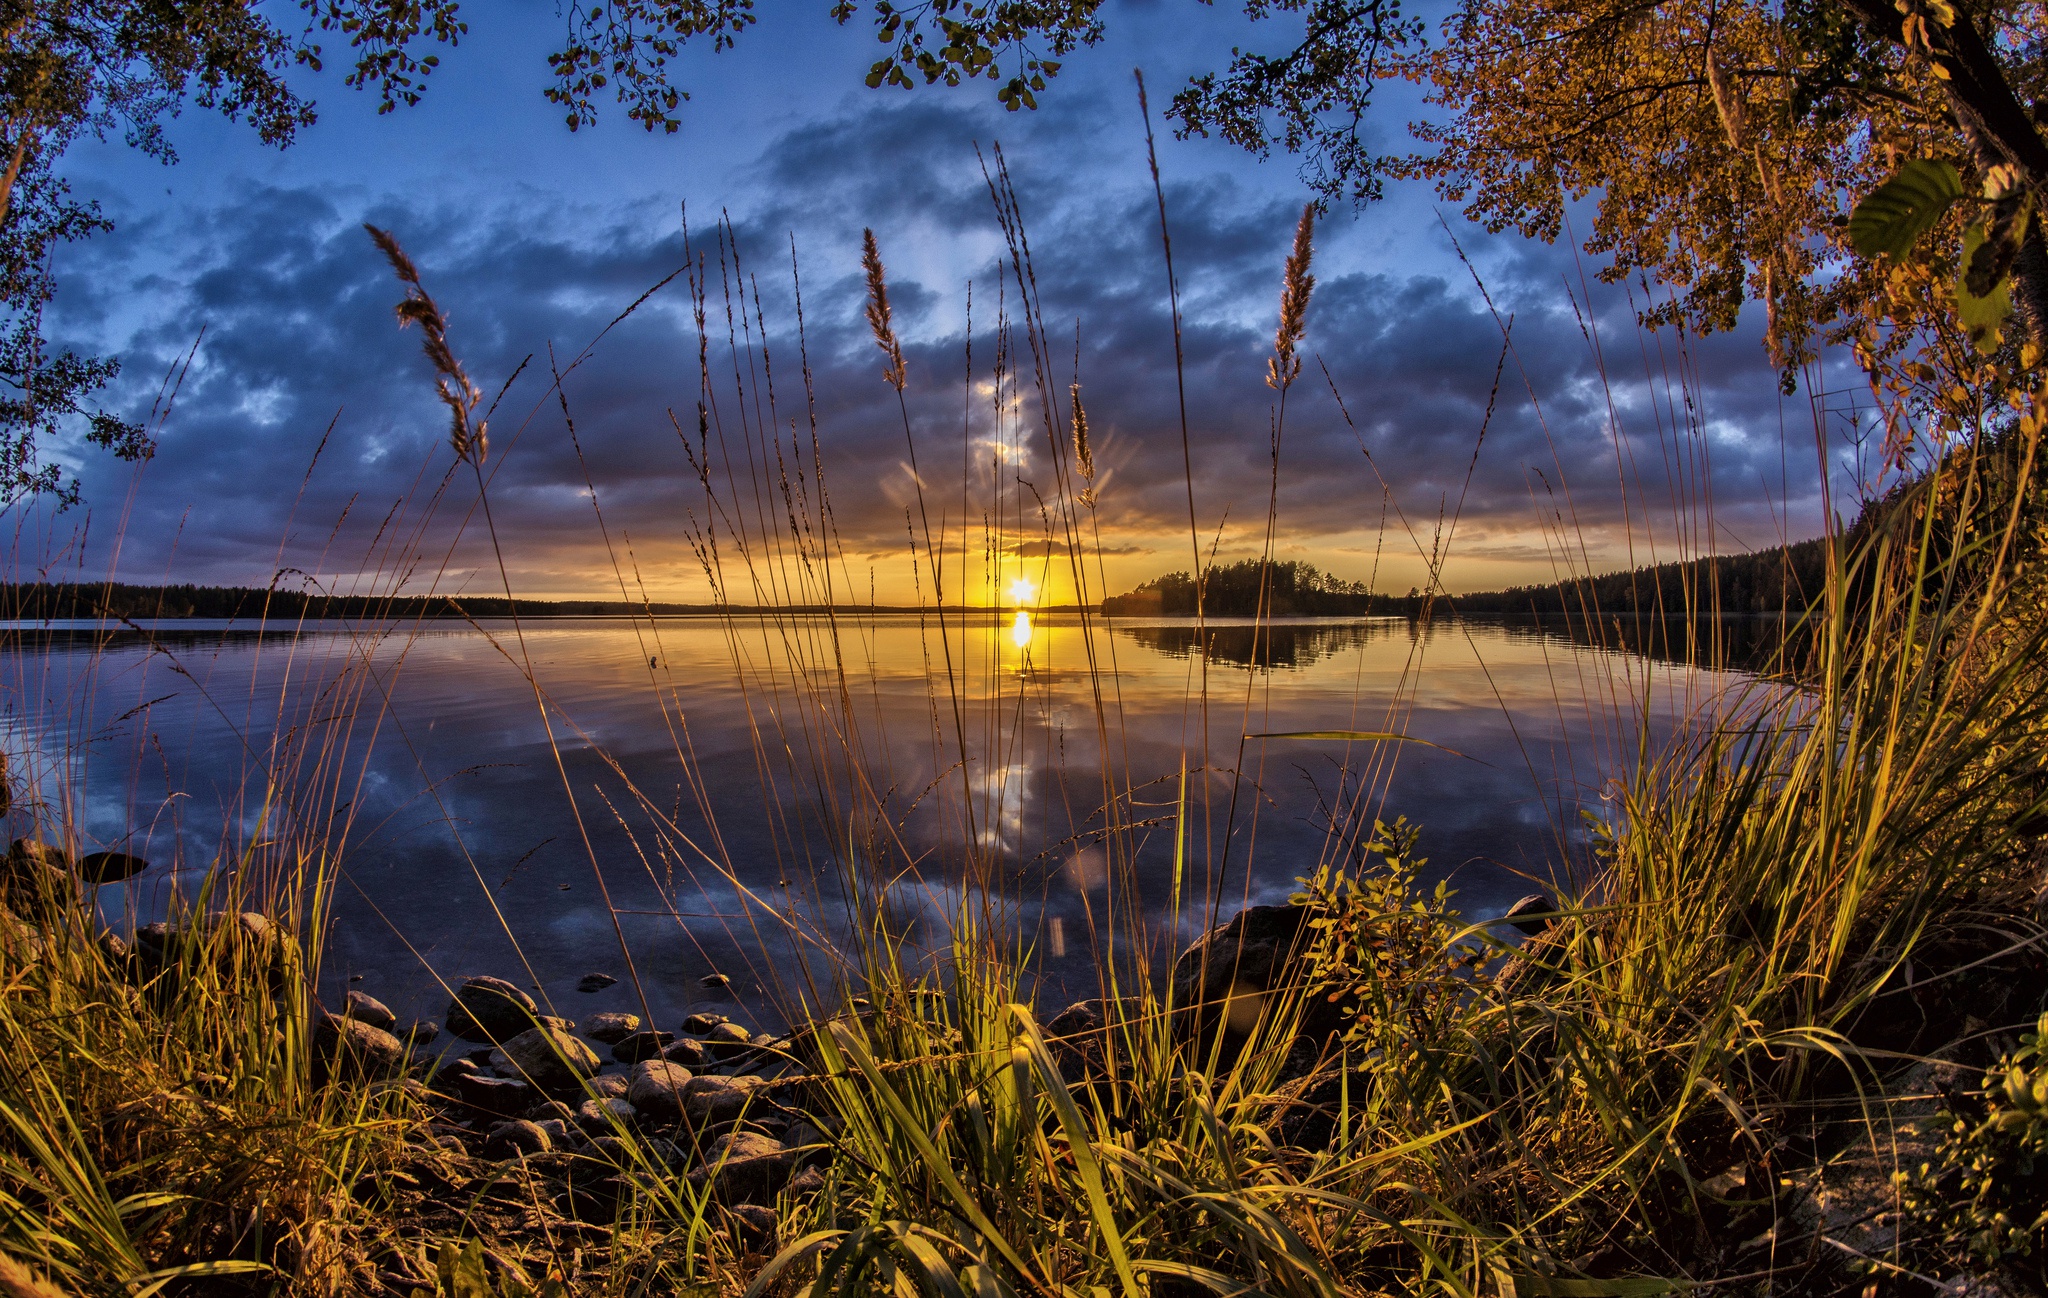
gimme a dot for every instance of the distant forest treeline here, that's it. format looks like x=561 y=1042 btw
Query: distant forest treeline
x=1778 y=580
x=61 y=601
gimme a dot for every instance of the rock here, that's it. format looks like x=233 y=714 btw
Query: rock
x=715 y=1099
x=1223 y=979
x=561 y=1135
x=419 y=1033
x=490 y=1009
x=596 y=982
x=551 y=1059
x=364 y=1008
x=110 y=867
x=802 y=1137
x=808 y=1181
x=658 y=1088
x=745 y=1168
x=352 y=1048
x=512 y=1139
x=1533 y=904
x=497 y=1095
x=689 y=1052
x=560 y=1025
x=605 y=1115
x=715 y=980
x=610 y=1029
x=754 y=1228
x=113 y=950
x=699 y=1024
x=610 y=1086
x=448 y=1070
x=729 y=1041
x=1080 y=1036
x=641 y=1045
x=37 y=869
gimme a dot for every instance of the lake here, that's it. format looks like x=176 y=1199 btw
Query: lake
x=661 y=800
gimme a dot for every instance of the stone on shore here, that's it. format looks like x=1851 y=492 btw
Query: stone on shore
x=689 y=1052
x=594 y=982
x=729 y=1041
x=744 y=1167
x=35 y=869
x=365 y=1008
x=551 y=1059
x=511 y=1139
x=490 y=1009
x=609 y=1086
x=701 y=1023
x=110 y=867
x=604 y=1115
x=657 y=1089
x=611 y=1028
x=715 y=1099
x=495 y=1095
x=641 y=1045
x=351 y=1048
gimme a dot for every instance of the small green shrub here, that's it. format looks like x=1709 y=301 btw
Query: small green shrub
x=1986 y=1191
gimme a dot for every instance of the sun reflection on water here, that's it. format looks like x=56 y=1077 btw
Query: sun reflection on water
x=1020 y=630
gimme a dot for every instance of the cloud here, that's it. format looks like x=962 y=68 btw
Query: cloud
x=308 y=418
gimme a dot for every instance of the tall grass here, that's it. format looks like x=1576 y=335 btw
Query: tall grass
x=1616 y=1107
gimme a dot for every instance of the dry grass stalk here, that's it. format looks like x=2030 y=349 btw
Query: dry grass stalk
x=469 y=436
x=1285 y=366
x=1084 y=454
x=878 y=310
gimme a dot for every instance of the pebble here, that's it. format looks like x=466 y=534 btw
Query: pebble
x=611 y=1028
x=715 y=1099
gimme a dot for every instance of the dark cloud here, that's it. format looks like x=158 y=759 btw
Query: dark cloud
x=1593 y=427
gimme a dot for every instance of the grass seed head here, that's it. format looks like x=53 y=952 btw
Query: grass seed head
x=878 y=310
x=469 y=436
x=1285 y=366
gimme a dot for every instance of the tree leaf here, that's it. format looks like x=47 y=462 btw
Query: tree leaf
x=1894 y=215
x=1984 y=317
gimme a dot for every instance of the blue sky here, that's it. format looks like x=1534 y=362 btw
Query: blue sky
x=532 y=235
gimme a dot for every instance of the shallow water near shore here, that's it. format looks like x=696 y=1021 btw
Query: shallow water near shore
x=683 y=806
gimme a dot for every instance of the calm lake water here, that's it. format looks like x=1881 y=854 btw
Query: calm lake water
x=698 y=793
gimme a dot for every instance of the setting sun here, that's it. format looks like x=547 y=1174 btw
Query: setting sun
x=1023 y=590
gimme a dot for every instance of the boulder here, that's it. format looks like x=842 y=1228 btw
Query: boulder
x=365 y=1008
x=110 y=867
x=689 y=1052
x=729 y=1041
x=490 y=1009
x=495 y=1095
x=513 y=1139
x=609 y=1086
x=699 y=1024
x=657 y=1088
x=716 y=1099
x=641 y=1045
x=594 y=982
x=610 y=1029
x=743 y=1167
x=351 y=1048
x=551 y=1059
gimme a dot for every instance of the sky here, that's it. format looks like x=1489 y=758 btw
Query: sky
x=306 y=415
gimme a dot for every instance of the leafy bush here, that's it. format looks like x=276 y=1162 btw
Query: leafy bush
x=1986 y=1192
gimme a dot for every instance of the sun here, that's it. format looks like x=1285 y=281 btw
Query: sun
x=1023 y=590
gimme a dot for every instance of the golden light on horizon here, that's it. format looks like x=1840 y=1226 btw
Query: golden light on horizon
x=1020 y=630
x=1023 y=590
